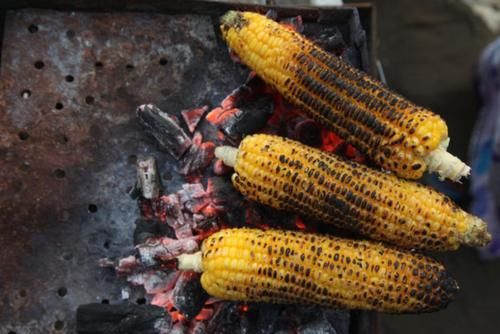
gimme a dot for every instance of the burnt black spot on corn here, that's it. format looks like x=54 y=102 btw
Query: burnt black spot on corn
x=395 y=133
x=344 y=273
x=381 y=206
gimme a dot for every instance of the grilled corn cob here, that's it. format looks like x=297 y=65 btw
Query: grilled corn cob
x=396 y=134
x=288 y=267
x=288 y=175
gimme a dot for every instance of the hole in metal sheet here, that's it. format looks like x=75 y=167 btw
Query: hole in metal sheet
x=23 y=293
x=141 y=301
x=25 y=93
x=67 y=256
x=23 y=135
x=69 y=78
x=132 y=159
x=129 y=67
x=62 y=291
x=32 y=28
x=70 y=33
x=163 y=61
x=92 y=208
x=105 y=301
x=11 y=332
x=58 y=325
x=63 y=139
x=26 y=165
x=89 y=99
x=98 y=64
x=167 y=175
x=107 y=243
x=39 y=64
x=59 y=173
x=59 y=106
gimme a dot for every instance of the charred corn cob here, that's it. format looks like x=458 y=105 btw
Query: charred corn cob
x=292 y=267
x=396 y=134
x=287 y=175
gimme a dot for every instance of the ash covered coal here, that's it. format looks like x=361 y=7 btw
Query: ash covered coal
x=165 y=129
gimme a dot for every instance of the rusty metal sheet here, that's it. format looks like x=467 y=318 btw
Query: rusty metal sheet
x=70 y=83
x=69 y=140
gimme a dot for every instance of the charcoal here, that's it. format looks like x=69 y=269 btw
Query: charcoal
x=156 y=250
x=155 y=281
x=221 y=169
x=198 y=157
x=295 y=23
x=188 y=295
x=317 y=326
x=121 y=318
x=225 y=320
x=330 y=39
x=148 y=228
x=148 y=180
x=250 y=118
x=244 y=111
x=262 y=317
x=308 y=132
x=193 y=116
x=164 y=128
x=225 y=196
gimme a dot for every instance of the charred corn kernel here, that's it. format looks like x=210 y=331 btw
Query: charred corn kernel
x=324 y=270
x=396 y=134
x=287 y=175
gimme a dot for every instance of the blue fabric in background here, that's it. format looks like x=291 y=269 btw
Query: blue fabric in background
x=485 y=149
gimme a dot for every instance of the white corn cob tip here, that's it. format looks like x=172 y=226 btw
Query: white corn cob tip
x=190 y=262
x=227 y=154
x=446 y=165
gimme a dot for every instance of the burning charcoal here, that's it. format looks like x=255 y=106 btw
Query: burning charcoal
x=148 y=180
x=331 y=141
x=155 y=281
x=188 y=295
x=249 y=118
x=127 y=265
x=221 y=169
x=185 y=231
x=193 y=116
x=244 y=111
x=122 y=318
x=198 y=157
x=294 y=23
x=226 y=200
x=193 y=197
x=145 y=229
x=165 y=249
x=168 y=133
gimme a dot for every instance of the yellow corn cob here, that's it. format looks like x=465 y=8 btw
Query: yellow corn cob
x=288 y=267
x=288 y=175
x=396 y=134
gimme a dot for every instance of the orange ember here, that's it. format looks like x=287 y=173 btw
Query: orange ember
x=300 y=223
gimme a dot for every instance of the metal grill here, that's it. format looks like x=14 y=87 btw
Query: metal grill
x=69 y=139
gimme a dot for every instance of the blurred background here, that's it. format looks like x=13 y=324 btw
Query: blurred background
x=430 y=52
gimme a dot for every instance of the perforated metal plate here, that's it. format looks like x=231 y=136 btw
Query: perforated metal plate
x=70 y=83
